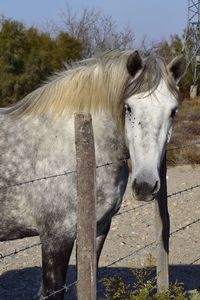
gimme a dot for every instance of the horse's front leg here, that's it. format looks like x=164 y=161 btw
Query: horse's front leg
x=162 y=228
x=102 y=234
x=55 y=258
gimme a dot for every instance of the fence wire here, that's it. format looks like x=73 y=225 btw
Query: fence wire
x=183 y=191
x=65 y=173
x=67 y=287
x=195 y=260
x=64 y=288
x=152 y=243
x=11 y=254
x=183 y=146
x=168 y=196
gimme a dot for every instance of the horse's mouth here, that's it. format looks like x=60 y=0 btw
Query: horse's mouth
x=142 y=197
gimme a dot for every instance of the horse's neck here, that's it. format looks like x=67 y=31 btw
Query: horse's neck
x=110 y=144
x=58 y=135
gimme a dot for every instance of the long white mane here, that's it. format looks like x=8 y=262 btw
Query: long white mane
x=92 y=85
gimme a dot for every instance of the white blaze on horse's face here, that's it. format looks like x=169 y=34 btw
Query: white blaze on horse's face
x=148 y=125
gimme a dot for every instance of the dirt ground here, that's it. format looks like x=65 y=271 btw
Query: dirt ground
x=128 y=244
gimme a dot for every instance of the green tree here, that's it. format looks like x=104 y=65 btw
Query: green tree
x=28 y=56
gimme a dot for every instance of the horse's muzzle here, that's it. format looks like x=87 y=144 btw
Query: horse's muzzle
x=145 y=191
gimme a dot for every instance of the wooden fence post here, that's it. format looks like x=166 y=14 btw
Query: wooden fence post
x=86 y=207
x=162 y=232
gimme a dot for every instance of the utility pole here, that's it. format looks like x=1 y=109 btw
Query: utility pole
x=192 y=42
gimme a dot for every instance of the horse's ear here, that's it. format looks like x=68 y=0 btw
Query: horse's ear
x=177 y=67
x=134 y=63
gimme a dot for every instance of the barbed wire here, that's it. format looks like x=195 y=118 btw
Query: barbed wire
x=65 y=173
x=148 y=203
x=70 y=172
x=34 y=180
x=152 y=243
x=67 y=287
x=132 y=209
x=130 y=254
x=183 y=146
x=183 y=191
x=185 y=226
x=64 y=288
x=120 y=213
x=195 y=260
x=18 y=251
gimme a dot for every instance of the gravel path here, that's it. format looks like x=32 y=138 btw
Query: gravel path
x=128 y=244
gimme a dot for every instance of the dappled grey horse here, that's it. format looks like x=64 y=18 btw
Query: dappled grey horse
x=132 y=101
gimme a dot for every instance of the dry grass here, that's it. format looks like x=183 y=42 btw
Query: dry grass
x=186 y=132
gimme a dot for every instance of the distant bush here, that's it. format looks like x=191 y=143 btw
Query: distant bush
x=28 y=56
x=172 y=47
x=186 y=131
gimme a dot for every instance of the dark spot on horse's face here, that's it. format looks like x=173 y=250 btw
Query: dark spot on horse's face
x=139 y=123
x=128 y=109
x=128 y=112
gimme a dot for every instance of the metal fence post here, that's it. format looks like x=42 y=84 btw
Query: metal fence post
x=86 y=207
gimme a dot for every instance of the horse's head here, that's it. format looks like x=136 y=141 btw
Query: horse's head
x=151 y=104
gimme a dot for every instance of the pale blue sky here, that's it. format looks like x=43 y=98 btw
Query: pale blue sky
x=156 y=19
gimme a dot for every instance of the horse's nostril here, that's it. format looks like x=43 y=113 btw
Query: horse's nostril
x=156 y=188
x=144 y=188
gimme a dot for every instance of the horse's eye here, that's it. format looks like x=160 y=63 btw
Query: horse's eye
x=128 y=109
x=173 y=112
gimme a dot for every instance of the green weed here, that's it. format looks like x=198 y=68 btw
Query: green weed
x=144 y=287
